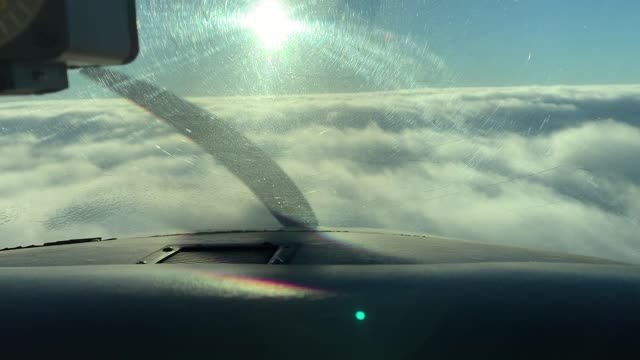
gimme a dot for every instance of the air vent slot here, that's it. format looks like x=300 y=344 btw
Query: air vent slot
x=260 y=253
x=222 y=255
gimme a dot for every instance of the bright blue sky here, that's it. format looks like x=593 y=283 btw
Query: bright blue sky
x=193 y=48
x=488 y=42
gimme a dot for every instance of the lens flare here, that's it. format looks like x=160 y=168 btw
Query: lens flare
x=250 y=287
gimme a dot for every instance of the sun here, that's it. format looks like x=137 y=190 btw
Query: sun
x=270 y=22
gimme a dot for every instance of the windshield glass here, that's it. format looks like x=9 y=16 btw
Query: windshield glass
x=504 y=122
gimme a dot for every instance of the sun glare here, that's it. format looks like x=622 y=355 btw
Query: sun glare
x=271 y=23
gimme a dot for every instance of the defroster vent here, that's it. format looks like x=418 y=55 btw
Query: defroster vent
x=262 y=253
x=222 y=255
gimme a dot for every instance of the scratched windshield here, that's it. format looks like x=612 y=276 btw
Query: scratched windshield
x=503 y=122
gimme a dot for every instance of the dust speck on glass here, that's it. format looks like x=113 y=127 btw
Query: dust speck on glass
x=503 y=122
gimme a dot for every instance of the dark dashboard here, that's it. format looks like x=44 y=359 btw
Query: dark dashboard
x=332 y=295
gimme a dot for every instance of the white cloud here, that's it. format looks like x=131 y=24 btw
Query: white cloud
x=543 y=167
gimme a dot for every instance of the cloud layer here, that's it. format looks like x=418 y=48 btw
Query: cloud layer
x=551 y=168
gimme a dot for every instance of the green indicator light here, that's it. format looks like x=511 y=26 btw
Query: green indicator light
x=360 y=315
